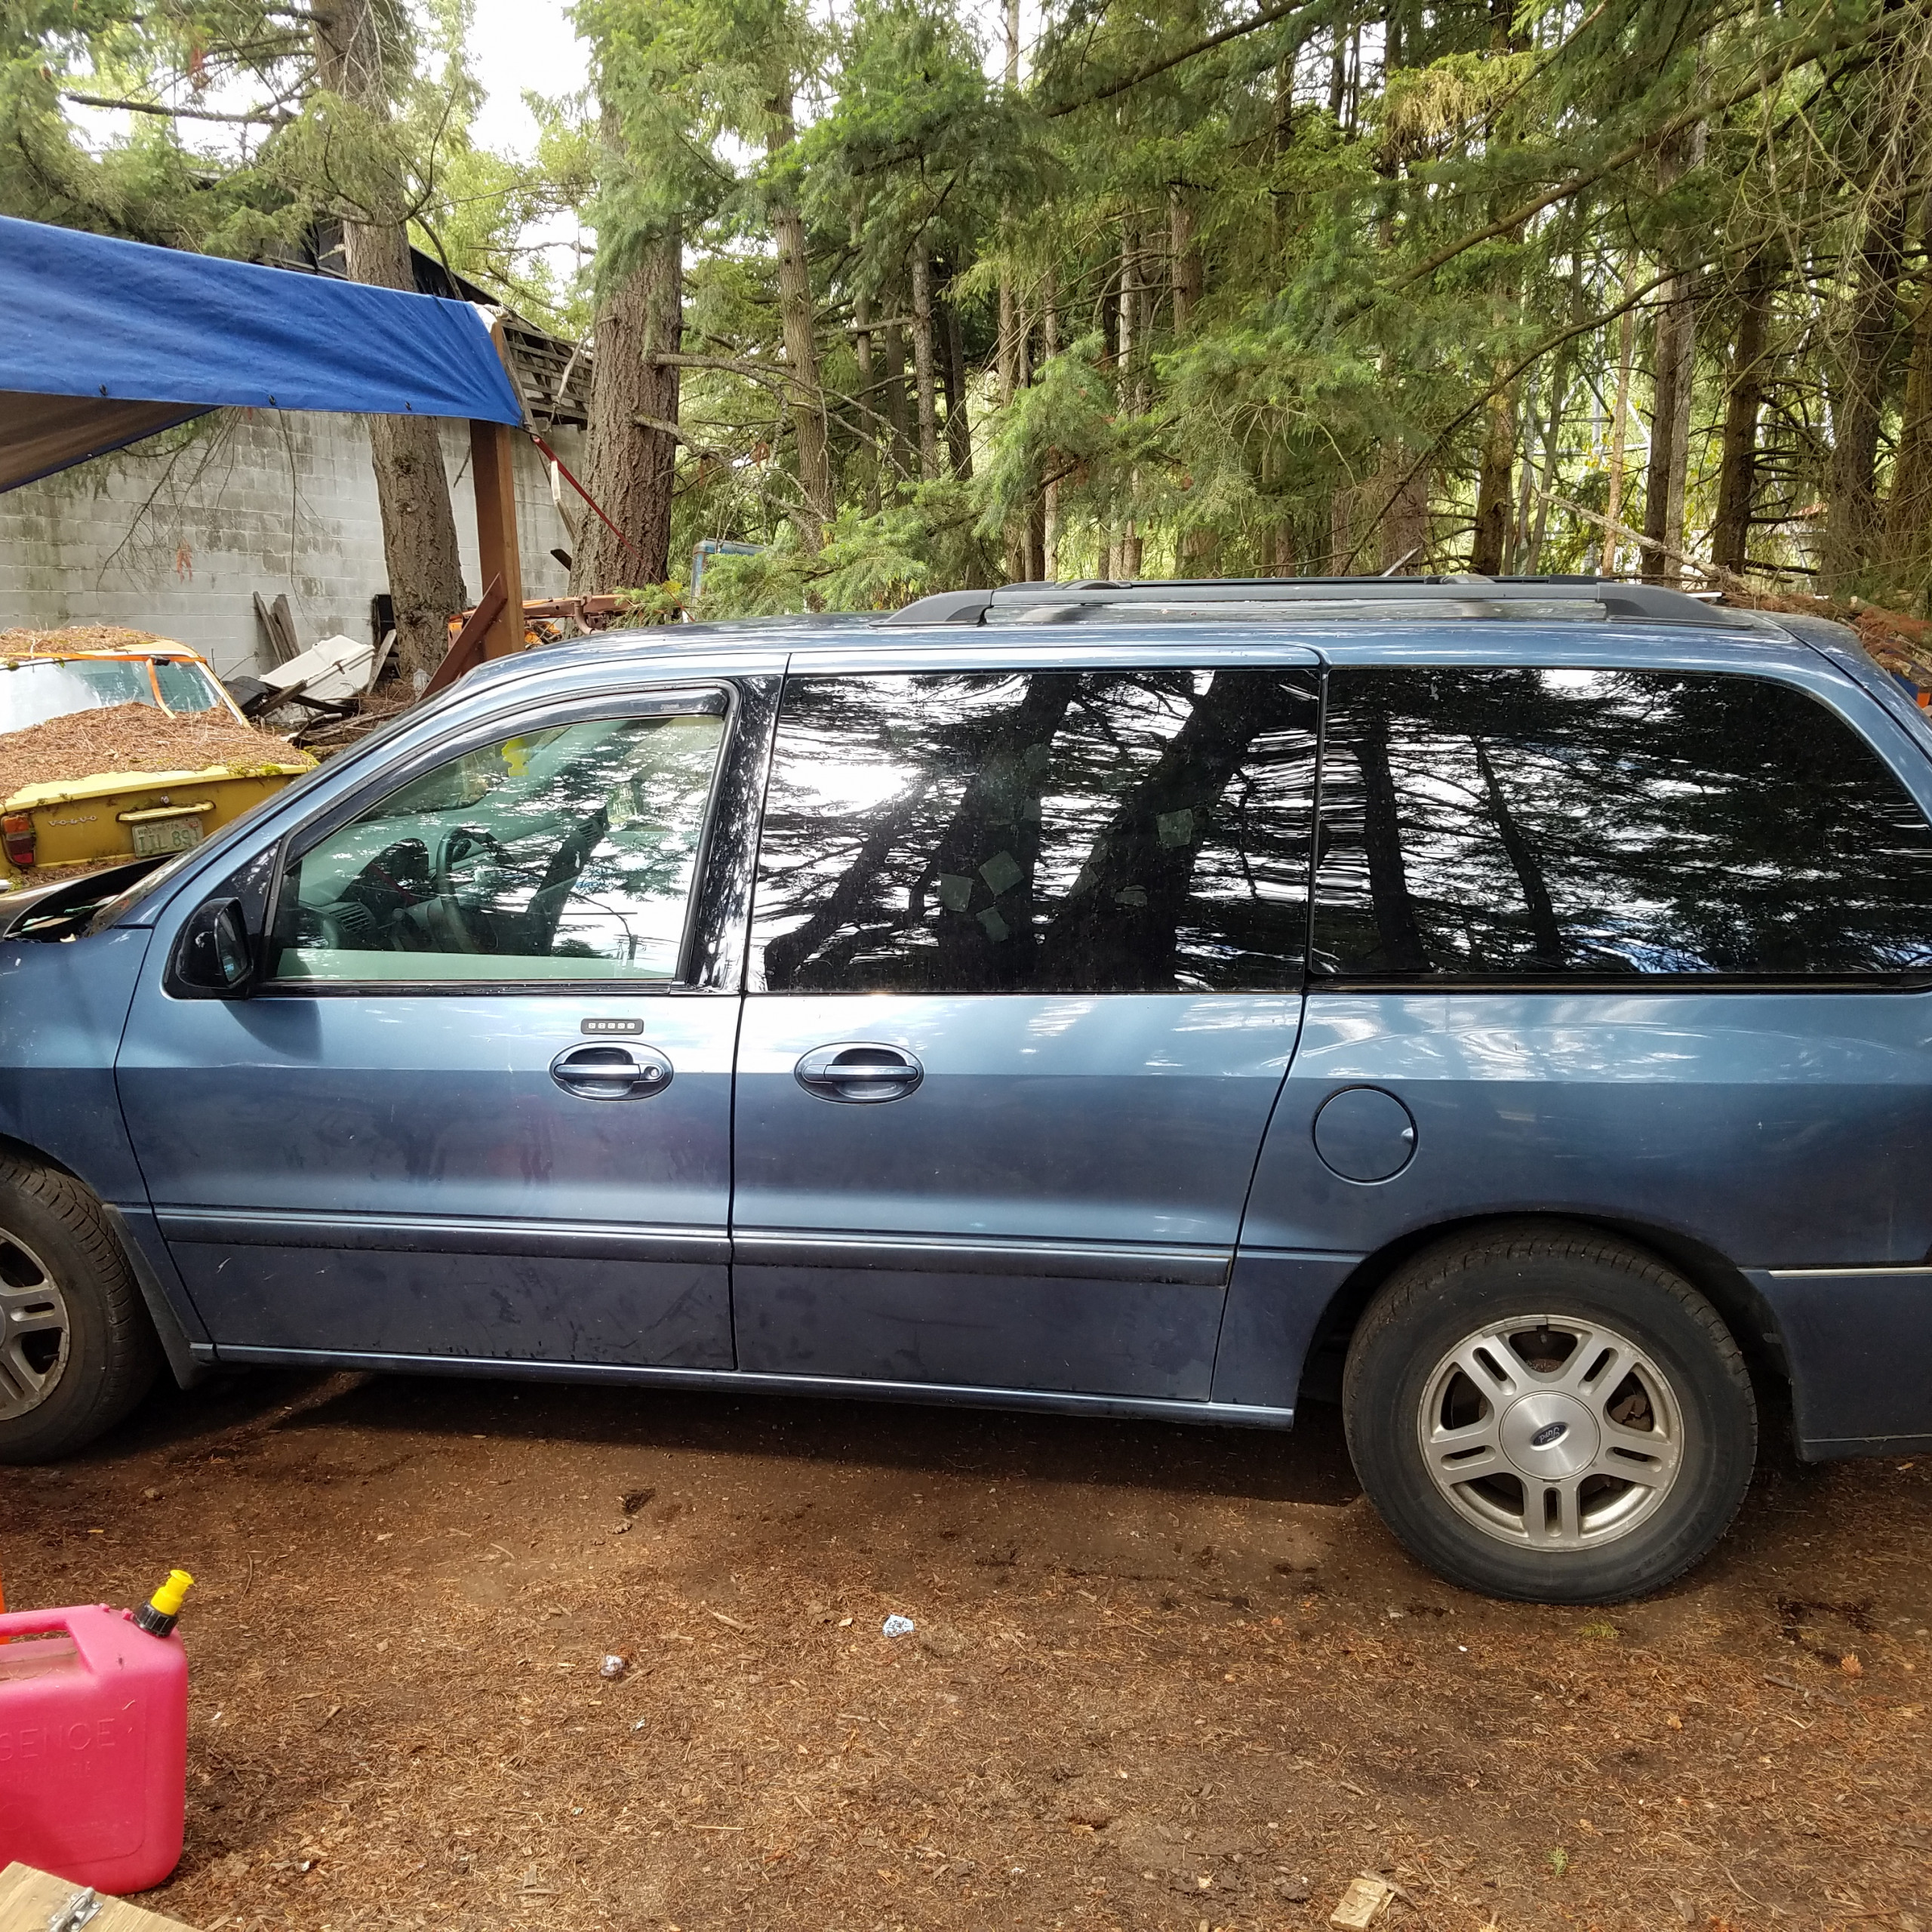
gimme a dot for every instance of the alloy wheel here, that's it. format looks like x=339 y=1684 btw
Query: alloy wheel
x=36 y=1330
x=1551 y=1432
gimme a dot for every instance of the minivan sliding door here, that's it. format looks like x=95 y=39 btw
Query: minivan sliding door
x=1025 y=977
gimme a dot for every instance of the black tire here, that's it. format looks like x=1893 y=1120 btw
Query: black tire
x=80 y=1351
x=1574 y=1534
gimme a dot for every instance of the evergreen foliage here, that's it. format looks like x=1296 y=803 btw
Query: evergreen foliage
x=1184 y=287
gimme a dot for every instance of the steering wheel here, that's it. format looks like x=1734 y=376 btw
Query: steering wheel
x=458 y=843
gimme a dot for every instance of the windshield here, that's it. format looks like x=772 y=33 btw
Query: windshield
x=32 y=690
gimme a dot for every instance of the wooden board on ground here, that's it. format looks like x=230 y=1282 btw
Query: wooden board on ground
x=33 y=1901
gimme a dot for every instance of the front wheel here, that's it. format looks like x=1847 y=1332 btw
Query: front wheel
x=77 y=1350
x=1549 y=1414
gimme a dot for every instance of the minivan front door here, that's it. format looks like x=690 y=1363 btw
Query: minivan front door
x=476 y=1110
x=1026 y=978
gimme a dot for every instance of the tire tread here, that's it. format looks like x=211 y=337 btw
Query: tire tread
x=132 y=1351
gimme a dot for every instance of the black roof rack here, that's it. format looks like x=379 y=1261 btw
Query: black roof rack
x=1262 y=598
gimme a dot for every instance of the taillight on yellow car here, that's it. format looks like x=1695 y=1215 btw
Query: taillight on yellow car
x=17 y=833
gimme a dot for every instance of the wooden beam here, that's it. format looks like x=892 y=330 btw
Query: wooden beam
x=491 y=448
x=466 y=649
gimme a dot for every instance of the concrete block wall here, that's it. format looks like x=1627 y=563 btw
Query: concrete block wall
x=176 y=534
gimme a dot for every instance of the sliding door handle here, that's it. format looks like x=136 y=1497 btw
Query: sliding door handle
x=859 y=1072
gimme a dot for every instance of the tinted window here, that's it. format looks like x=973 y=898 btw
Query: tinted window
x=565 y=854
x=1528 y=822
x=1038 y=832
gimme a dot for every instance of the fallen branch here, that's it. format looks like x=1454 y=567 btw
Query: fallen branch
x=1715 y=573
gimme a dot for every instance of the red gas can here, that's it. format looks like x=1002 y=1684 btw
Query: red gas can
x=93 y=1746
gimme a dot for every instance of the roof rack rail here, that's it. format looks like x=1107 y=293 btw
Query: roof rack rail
x=1260 y=598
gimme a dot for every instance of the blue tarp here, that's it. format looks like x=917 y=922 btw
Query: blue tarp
x=139 y=337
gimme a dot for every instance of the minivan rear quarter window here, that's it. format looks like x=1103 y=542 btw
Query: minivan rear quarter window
x=1500 y=822
x=1038 y=832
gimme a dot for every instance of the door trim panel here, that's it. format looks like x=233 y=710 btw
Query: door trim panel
x=431 y=1234
x=1070 y=1260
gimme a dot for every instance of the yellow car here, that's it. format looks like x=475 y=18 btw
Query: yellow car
x=67 y=712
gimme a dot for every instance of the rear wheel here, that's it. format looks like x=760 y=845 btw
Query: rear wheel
x=1547 y=1413
x=77 y=1350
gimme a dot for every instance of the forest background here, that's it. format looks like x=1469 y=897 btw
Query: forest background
x=906 y=300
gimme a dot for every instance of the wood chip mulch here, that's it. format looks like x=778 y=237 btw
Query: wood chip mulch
x=135 y=737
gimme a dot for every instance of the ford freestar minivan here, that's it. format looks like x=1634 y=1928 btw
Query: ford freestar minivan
x=1507 y=1004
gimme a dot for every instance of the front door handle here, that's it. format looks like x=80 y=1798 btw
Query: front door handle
x=611 y=1073
x=860 y=1072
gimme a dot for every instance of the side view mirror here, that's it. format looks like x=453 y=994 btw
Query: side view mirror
x=213 y=959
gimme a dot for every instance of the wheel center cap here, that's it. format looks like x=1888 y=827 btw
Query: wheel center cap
x=1549 y=1435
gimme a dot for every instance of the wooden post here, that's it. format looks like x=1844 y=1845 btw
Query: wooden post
x=491 y=448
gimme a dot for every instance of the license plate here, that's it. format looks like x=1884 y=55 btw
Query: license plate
x=167 y=834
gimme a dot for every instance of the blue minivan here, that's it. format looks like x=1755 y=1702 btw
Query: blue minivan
x=1504 y=1005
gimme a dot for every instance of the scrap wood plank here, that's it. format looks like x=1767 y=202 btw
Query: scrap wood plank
x=466 y=651
x=33 y=1901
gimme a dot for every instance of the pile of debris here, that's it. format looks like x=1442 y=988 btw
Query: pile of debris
x=138 y=737
x=1900 y=644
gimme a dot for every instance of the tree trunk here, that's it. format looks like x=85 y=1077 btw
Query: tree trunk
x=1909 y=511
x=1626 y=345
x=795 y=309
x=1674 y=340
x=862 y=345
x=958 y=418
x=1403 y=486
x=1050 y=494
x=1127 y=563
x=1559 y=390
x=1189 y=271
x=629 y=463
x=1187 y=275
x=1009 y=309
x=1675 y=350
x=923 y=360
x=1492 y=486
x=905 y=454
x=1341 y=531
x=1851 y=514
x=412 y=487
x=1737 y=464
x=1281 y=139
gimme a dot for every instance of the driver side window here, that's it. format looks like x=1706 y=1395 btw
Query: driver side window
x=561 y=855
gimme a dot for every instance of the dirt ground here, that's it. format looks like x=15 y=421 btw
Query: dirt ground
x=1161 y=1678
